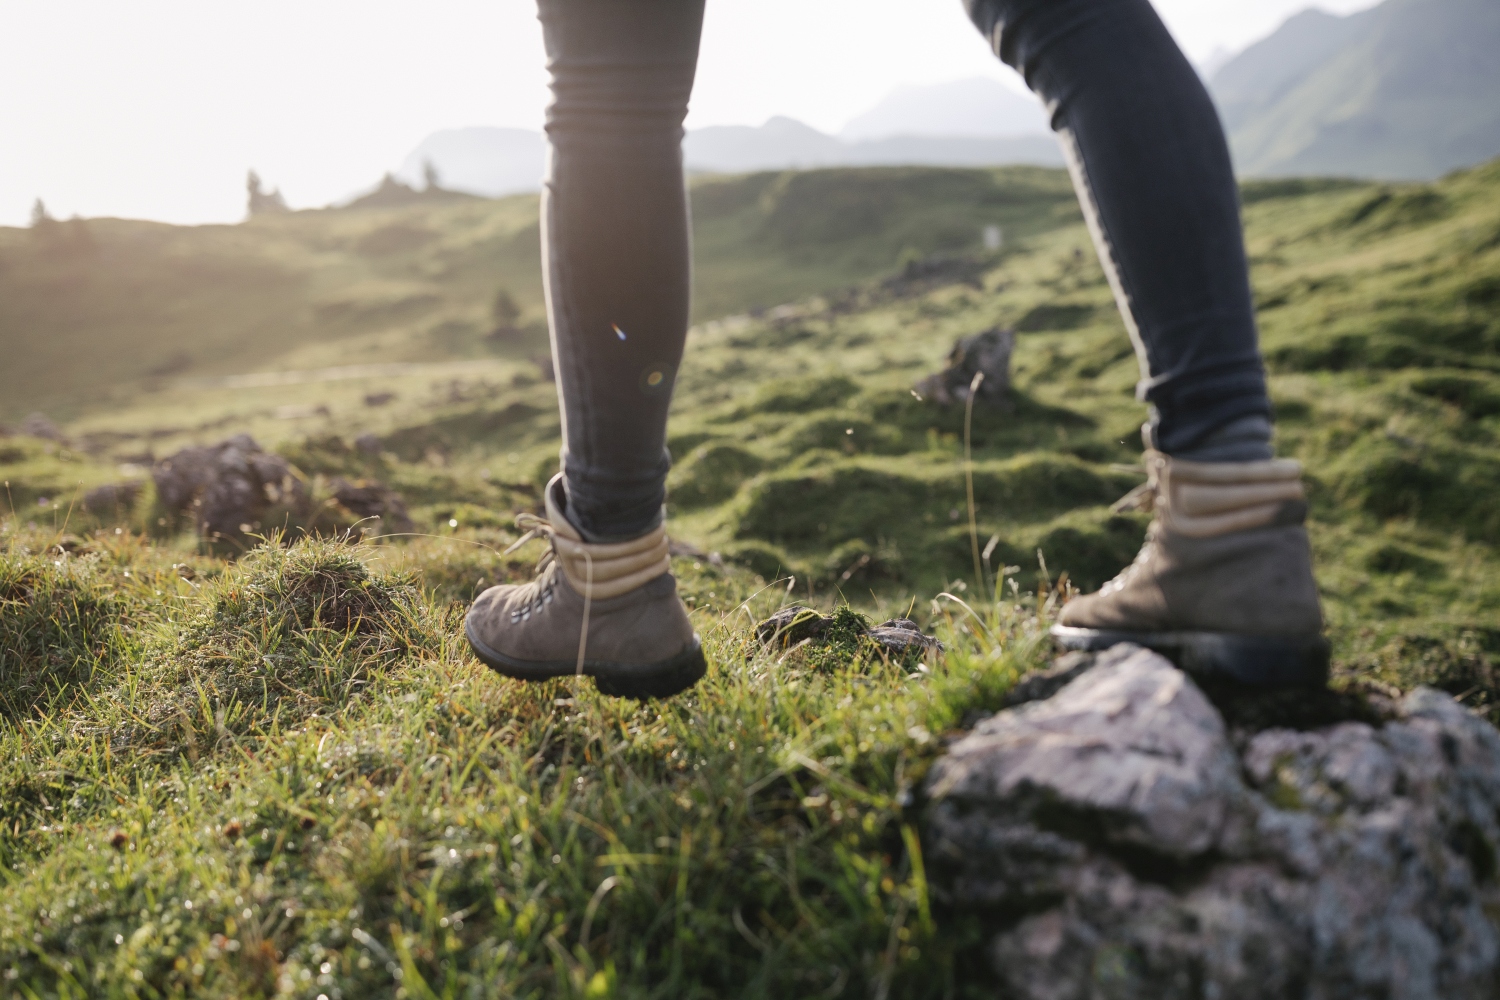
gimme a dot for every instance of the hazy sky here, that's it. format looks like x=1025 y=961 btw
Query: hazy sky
x=156 y=108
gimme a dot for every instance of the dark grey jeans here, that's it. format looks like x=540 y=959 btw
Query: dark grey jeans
x=1148 y=159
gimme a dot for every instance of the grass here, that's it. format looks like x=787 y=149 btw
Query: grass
x=298 y=744
x=293 y=779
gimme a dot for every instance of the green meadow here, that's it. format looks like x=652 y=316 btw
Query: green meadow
x=279 y=772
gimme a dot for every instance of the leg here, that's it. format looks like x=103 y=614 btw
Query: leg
x=1224 y=582
x=1152 y=170
x=616 y=263
x=615 y=247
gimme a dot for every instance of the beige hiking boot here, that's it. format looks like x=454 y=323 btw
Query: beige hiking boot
x=610 y=611
x=1223 y=585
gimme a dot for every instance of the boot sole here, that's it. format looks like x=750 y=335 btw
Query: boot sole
x=653 y=680
x=1258 y=661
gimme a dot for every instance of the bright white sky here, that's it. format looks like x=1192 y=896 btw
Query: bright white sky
x=156 y=108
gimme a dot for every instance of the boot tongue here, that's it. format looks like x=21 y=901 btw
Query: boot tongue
x=557 y=504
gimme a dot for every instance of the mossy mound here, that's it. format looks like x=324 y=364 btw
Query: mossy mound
x=712 y=473
x=58 y=628
x=288 y=632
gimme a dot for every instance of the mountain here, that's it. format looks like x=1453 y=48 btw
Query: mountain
x=1406 y=90
x=485 y=161
x=784 y=143
x=976 y=107
x=496 y=161
x=780 y=143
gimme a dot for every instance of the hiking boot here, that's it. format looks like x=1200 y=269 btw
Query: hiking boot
x=610 y=611
x=1223 y=585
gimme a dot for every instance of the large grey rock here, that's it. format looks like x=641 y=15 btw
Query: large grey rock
x=1124 y=847
x=230 y=489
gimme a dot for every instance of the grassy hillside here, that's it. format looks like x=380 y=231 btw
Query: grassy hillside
x=1409 y=89
x=93 y=313
x=284 y=774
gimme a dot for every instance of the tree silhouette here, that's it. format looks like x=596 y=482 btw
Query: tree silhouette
x=261 y=201
x=39 y=214
x=505 y=313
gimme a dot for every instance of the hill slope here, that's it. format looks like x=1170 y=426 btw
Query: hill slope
x=285 y=774
x=1409 y=89
x=146 y=304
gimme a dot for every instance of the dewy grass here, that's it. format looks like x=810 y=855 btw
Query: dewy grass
x=444 y=832
x=286 y=775
x=57 y=628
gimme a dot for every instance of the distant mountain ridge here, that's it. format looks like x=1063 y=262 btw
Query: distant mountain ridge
x=978 y=122
x=496 y=161
x=1406 y=90
x=978 y=107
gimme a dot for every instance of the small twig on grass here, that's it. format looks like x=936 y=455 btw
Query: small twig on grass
x=893 y=942
x=593 y=908
x=969 y=477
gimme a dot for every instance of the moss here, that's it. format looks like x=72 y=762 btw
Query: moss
x=289 y=632
x=799 y=395
x=1390 y=208
x=711 y=474
x=1391 y=558
x=1475 y=395
x=58 y=629
x=849 y=500
x=1432 y=485
x=1055 y=316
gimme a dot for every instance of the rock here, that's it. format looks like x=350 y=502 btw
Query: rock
x=368 y=444
x=230 y=488
x=370 y=498
x=791 y=625
x=988 y=352
x=112 y=499
x=39 y=425
x=1046 y=683
x=1124 y=847
x=902 y=636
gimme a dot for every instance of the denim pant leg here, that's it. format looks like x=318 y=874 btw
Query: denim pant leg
x=1153 y=174
x=615 y=246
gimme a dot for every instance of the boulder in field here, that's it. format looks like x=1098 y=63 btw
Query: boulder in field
x=1124 y=842
x=231 y=489
x=988 y=353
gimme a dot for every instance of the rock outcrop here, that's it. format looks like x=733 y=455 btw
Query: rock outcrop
x=797 y=624
x=230 y=489
x=1125 y=842
x=234 y=490
x=988 y=352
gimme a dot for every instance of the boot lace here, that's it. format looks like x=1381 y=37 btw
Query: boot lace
x=547 y=568
x=542 y=587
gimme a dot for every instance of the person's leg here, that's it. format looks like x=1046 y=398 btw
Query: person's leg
x=615 y=247
x=616 y=262
x=1224 y=582
x=1153 y=174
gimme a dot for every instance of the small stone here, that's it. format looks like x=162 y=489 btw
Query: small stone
x=901 y=636
x=988 y=352
x=792 y=625
x=369 y=498
x=112 y=498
